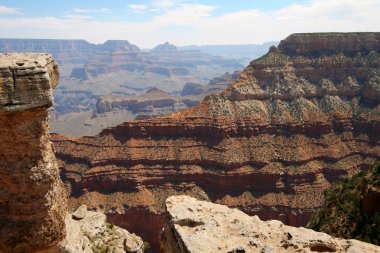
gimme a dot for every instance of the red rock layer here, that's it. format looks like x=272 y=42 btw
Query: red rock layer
x=269 y=144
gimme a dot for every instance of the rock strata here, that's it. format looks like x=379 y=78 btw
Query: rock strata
x=287 y=129
x=32 y=197
x=194 y=226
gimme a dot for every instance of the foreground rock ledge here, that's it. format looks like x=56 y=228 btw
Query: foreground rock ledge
x=89 y=232
x=198 y=226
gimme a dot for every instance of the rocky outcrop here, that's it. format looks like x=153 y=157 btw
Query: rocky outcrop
x=200 y=226
x=270 y=144
x=32 y=200
x=89 y=232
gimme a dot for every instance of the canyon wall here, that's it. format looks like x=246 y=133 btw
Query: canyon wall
x=296 y=121
x=199 y=226
x=33 y=202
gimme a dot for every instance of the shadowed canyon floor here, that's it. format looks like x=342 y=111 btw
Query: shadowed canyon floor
x=299 y=119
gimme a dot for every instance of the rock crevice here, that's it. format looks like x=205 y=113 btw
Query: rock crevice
x=222 y=229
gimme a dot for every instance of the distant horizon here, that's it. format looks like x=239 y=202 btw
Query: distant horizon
x=135 y=44
x=147 y=23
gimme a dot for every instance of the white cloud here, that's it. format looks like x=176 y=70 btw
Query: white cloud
x=186 y=14
x=138 y=8
x=101 y=10
x=71 y=16
x=9 y=10
x=185 y=24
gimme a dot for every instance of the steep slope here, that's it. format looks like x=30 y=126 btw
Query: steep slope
x=270 y=144
x=351 y=209
x=194 y=226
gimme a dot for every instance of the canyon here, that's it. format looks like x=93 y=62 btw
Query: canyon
x=119 y=67
x=296 y=121
x=112 y=110
x=116 y=67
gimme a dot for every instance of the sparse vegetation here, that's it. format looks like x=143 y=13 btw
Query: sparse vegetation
x=351 y=209
x=105 y=240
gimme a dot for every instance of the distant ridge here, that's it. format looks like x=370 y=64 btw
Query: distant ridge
x=250 y=51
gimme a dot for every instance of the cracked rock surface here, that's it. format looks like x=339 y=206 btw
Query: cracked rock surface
x=88 y=232
x=198 y=226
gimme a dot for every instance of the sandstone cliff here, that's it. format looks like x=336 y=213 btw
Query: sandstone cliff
x=194 y=226
x=33 y=201
x=292 y=125
x=32 y=198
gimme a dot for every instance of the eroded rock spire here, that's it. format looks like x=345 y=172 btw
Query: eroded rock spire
x=33 y=202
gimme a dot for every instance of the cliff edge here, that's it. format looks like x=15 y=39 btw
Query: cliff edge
x=194 y=226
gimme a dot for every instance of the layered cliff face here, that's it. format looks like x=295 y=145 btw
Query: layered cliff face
x=32 y=197
x=270 y=144
x=199 y=226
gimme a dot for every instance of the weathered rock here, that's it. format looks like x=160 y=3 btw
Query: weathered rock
x=316 y=44
x=33 y=202
x=93 y=234
x=27 y=81
x=269 y=144
x=198 y=226
x=80 y=213
x=32 y=198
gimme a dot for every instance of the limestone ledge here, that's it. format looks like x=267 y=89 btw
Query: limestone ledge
x=199 y=226
x=27 y=80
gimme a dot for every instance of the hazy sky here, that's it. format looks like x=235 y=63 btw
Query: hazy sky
x=147 y=23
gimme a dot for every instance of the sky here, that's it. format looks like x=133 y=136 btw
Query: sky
x=147 y=23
